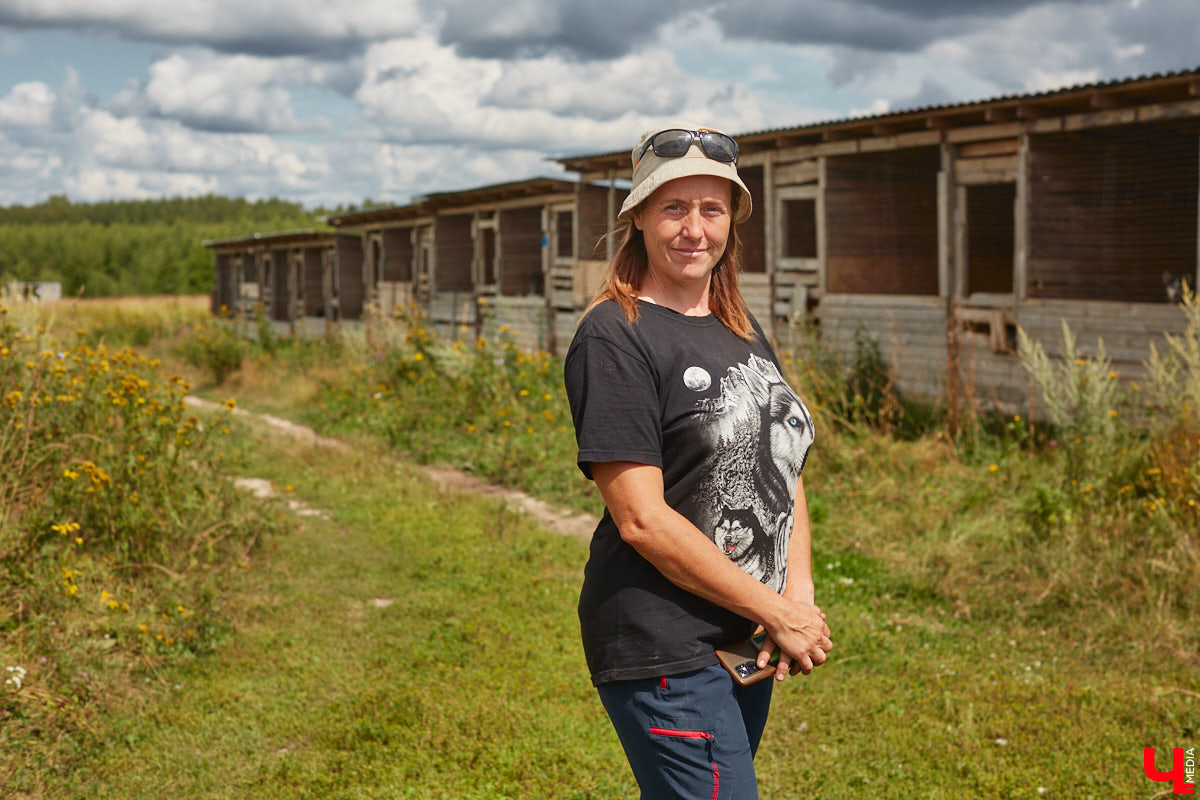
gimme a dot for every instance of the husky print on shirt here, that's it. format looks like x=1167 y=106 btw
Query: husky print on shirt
x=761 y=433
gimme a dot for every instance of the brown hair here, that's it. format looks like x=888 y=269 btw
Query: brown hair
x=630 y=264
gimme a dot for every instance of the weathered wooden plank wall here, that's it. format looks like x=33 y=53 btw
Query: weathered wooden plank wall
x=591 y=220
x=881 y=214
x=397 y=254
x=564 y=322
x=520 y=232
x=313 y=300
x=454 y=253
x=1111 y=210
x=281 y=270
x=909 y=330
x=756 y=291
x=349 y=266
x=226 y=288
x=452 y=315
x=1126 y=328
x=524 y=319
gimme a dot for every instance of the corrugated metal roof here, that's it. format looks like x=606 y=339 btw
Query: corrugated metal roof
x=275 y=237
x=939 y=109
x=990 y=101
x=430 y=203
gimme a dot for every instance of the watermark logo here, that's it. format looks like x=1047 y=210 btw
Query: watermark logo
x=1182 y=776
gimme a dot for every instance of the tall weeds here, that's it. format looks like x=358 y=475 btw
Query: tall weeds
x=112 y=502
x=1088 y=405
x=852 y=391
x=1122 y=490
x=489 y=406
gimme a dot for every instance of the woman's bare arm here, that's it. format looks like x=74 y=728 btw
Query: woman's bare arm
x=684 y=555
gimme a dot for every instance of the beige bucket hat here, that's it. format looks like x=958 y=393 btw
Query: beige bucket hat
x=652 y=171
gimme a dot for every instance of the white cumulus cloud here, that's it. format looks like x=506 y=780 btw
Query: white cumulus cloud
x=28 y=105
x=211 y=91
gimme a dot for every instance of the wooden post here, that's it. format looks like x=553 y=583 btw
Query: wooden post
x=476 y=257
x=289 y=288
x=947 y=225
x=365 y=270
x=961 y=247
x=576 y=225
x=611 y=220
x=549 y=253
x=414 y=264
x=1021 y=227
x=947 y=287
x=328 y=259
x=431 y=267
x=769 y=241
x=497 y=250
x=265 y=283
x=822 y=232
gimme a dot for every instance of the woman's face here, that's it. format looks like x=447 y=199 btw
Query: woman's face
x=685 y=224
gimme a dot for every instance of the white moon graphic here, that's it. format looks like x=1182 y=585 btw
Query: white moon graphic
x=697 y=379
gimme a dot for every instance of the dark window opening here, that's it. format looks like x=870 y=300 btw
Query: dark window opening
x=800 y=228
x=487 y=251
x=564 y=226
x=752 y=232
x=991 y=228
x=521 y=260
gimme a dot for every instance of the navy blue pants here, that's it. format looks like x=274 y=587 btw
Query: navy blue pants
x=692 y=735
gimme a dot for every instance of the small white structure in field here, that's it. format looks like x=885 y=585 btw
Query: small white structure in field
x=35 y=290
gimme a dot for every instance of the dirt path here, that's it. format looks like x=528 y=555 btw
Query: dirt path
x=556 y=520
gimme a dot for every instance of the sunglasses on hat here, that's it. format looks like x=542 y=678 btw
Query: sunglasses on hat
x=675 y=143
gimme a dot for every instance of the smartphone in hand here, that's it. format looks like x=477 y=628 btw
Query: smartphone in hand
x=741 y=659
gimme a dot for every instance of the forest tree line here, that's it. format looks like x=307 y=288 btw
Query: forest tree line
x=134 y=247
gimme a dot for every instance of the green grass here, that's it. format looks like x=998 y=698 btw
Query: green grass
x=418 y=643
x=470 y=682
x=999 y=631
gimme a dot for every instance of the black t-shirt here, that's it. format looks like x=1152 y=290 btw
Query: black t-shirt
x=713 y=412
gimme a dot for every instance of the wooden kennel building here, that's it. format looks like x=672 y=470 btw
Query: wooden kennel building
x=301 y=278
x=937 y=231
x=478 y=260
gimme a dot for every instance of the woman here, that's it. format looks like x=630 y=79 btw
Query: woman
x=696 y=444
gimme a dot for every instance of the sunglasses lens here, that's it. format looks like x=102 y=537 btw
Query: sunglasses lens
x=675 y=144
x=718 y=146
x=672 y=144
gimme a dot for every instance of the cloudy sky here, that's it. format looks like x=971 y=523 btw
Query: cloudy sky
x=332 y=101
